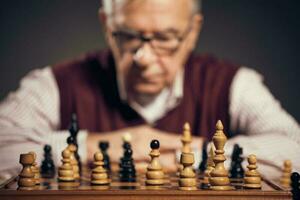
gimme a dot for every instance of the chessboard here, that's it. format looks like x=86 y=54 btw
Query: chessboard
x=124 y=180
x=53 y=189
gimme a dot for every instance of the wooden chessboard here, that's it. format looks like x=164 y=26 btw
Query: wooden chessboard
x=52 y=189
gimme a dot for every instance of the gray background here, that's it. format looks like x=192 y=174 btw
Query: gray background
x=262 y=34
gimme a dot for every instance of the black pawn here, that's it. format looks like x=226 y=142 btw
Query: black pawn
x=202 y=165
x=127 y=168
x=295 y=178
x=154 y=144
x=236 y=168
x=47 y=166
x=104 y=145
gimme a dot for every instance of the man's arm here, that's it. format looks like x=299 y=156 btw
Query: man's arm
x=269 y=131
x=29 y=119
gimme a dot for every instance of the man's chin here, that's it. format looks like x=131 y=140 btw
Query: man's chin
x=147 y=89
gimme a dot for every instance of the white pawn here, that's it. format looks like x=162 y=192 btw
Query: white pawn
x=127 y=137
x=65 y=171
x=99 y=175
x=154 y=174
x=187 y=180
x=72 y=148
x=252 y=179
x=285 y=180
x=210 y=165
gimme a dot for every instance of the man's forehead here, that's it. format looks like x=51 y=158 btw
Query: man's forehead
x=156 y=14
x=113 y=4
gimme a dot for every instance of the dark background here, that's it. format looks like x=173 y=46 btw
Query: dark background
x=262 y=34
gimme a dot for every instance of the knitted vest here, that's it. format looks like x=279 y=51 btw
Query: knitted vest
x=88 y=87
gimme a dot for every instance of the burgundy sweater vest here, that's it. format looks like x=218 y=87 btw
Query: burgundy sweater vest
x=88 y=87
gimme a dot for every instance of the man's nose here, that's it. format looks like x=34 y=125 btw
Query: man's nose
x=145 y=56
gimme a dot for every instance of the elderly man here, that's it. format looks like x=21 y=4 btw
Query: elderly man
x=149 y=83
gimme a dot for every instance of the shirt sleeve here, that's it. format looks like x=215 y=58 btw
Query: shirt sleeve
x=30 y=118
x=265 y=128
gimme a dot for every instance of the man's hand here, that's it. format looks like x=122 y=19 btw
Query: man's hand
x=141 y=138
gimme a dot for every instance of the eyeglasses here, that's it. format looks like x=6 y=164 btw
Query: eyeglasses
x=162 y=44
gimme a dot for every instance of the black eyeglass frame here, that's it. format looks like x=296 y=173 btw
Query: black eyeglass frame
x=150 y=39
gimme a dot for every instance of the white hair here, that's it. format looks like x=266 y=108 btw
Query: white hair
x=108 y=6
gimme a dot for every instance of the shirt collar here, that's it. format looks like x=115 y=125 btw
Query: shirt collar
x=166 y=100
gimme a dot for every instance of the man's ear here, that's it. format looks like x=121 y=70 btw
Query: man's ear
x=198 y=22
x=197 y=27
x=102 y=17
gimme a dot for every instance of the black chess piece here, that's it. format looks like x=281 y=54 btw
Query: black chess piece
x=295 y=178
x=47 y=166
x=234 y=154
x=104 y=145
x=127 y=168
x=239 y=170
x=202 y=165
x=71 y=140
x=74 y=129
x=236 y=168
x=154 y=144
x=126 y=145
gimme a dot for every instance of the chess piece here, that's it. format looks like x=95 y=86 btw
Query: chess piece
x=252 y=179
x=125 y=146
x=35 y=169
x=202 y=165
x=74 y=129
x=104 y=145
x=219 y=179
x=65 y=171
x=285 y=180
x=127 y=168
x=26 y=177
x=186 y=138
x=154 y=174
x=187 y=180
x=99 y=174
x=127 y=137
x=210 y=165
x=295 y=184
x=47 y=167
x=236 y=168
x=72 y=148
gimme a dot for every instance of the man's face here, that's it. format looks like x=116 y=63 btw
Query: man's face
x=169 y=32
